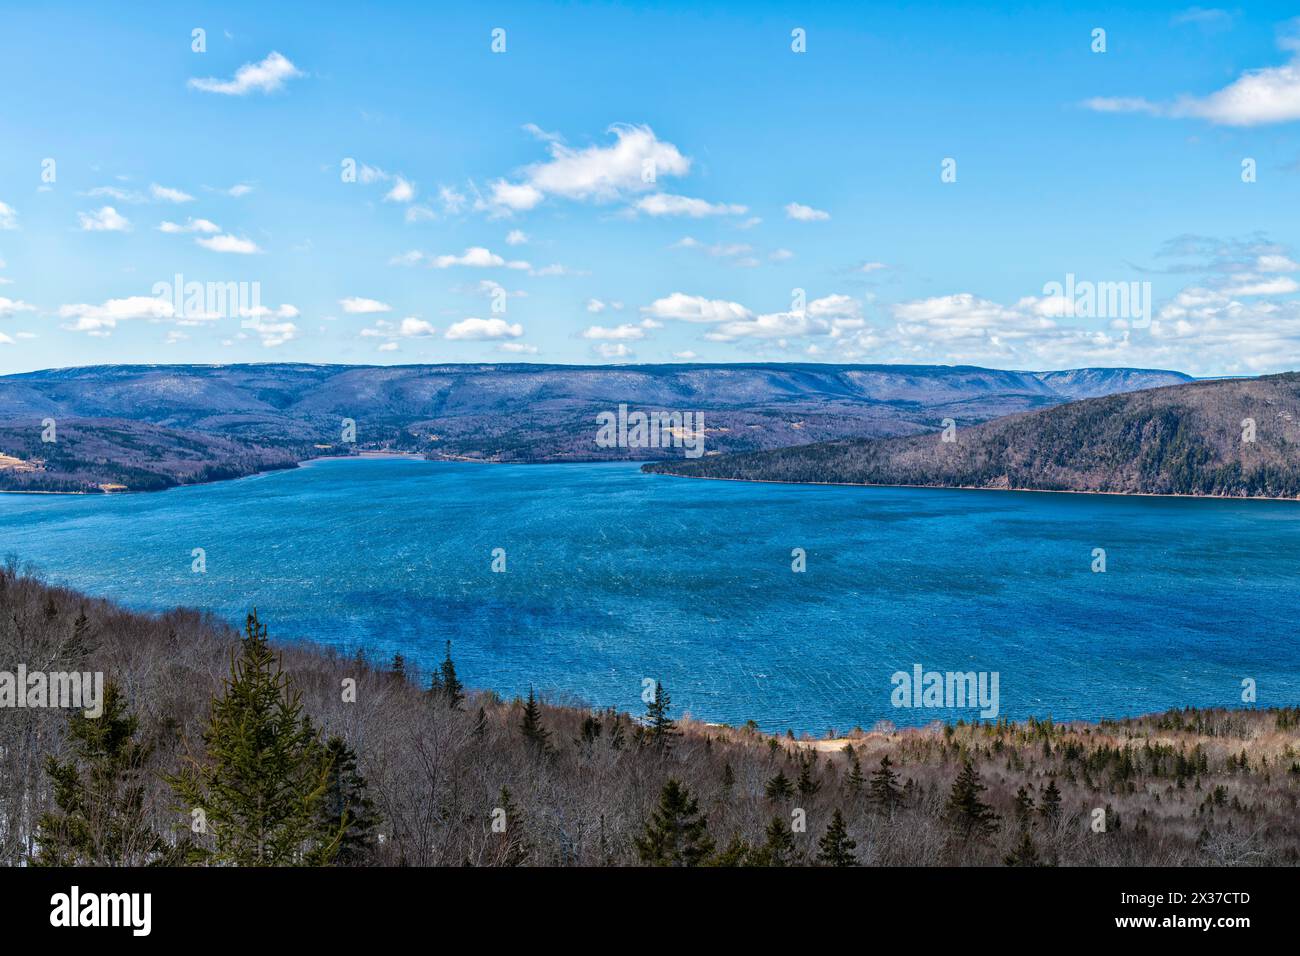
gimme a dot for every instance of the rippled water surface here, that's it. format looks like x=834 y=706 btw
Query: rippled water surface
x=614 y=576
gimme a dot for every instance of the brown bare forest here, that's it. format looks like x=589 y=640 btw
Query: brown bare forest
x=408 y=775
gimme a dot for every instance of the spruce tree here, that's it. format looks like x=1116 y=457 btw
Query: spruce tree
x=512 y=845
x=480 y=724
x=778 y=848
x=534 y=732
x=399 y=667
x=728 y=780
x=677 y=833
x=264 y=771
x=1025 y=853
x=835 y=848
x=346 y=807
x=451 y=689
x=99 y=790
x=885 y=794
x=807 y=785
x=966 y=812
x=1024 y=806
x=660 y=730
x=779 y=787
x=1049 y=807
x=855 y=781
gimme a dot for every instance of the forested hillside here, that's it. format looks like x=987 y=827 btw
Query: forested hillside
x=217 y=749
x=144 y=427
x=1237 y=437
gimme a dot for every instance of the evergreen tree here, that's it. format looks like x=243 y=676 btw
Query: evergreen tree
x=513 y=847
x=735 y=853
x=966 y=812
x=1025 y=853
x=99 y=794
x=480 y=724
x=855 y=781
x=885 y=794
x=660 y=730
x=399 y=667
x=778 y=848
x=264 y=772
x=728 y=780
x=451 y=689
x=346 y=807
x=779 y=786
x=808 y=784
x=1024 y=807
x=677 y=833
x=534 y=732
x=1050 y=805
x=835 y=848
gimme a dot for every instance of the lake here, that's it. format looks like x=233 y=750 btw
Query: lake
x=614 y=577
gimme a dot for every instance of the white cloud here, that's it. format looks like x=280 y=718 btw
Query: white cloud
x=105 y=219
x=420 y=214
x=115 y=192
x=410 y=327
x=477 y=329
x=685 y=356
x=516 y=237
x=238 y=190
x=354 y=305
x=595 y=305
x=8 y=217
x=452 y=201
x=1257 y=97
x=167 y=194
x=10 y=307
x=1247 y=284
x=100 y=319
x=694 y=308
x=232 y=244
x=267 y=76
x=272 y=328
x=612 y=350
x=402 y=191
x=1276 y=263
x=625 y=332
x=518 y=347
x=191 y=225
x=802 y=213
x=632 y=164
x=666 y=204
x=780 y=255
x=476 y=257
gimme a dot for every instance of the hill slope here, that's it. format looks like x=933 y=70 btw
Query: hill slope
x=1183 y=439
x=513 y=412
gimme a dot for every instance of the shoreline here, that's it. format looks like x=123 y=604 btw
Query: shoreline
x=1035 y=491
x=417 y=456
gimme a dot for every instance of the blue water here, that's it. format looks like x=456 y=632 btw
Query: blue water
x=614 y=577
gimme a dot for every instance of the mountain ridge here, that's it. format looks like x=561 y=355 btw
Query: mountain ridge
x=1225 y=437
x=522 y=412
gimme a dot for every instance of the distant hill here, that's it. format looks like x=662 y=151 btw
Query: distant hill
x=513 y=412
x=1182 y=439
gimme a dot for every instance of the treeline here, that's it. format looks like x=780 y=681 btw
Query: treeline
x=1237 y=438
x=223 y=749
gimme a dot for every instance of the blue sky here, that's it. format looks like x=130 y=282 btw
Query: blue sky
x=771 y=171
